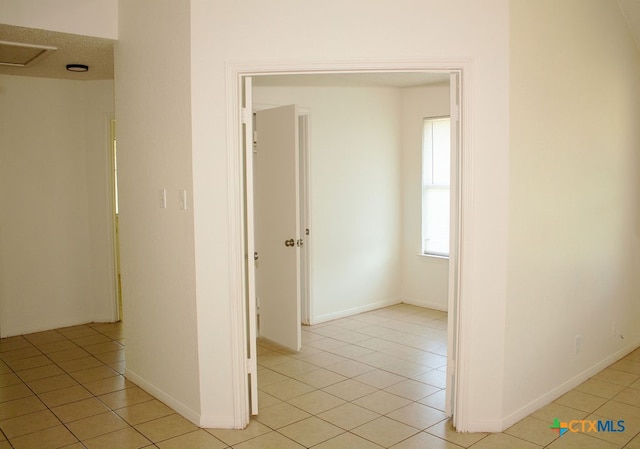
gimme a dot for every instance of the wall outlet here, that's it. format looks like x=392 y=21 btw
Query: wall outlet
x=578 y=346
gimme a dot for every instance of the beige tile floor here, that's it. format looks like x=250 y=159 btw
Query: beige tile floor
x=368 y=381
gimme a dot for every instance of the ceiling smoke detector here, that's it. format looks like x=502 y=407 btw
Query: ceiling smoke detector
x=17 y=54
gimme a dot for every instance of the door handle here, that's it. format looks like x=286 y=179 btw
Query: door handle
x=290 y=242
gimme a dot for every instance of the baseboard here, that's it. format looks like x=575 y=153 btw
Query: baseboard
x=354 y=311
x=169 y=400
x=570 y=384
x=425 y=304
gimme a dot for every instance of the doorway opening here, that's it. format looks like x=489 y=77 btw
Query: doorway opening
x=245 y=102
x=113 y=163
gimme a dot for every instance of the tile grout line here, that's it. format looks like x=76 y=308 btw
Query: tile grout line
x=412 y=401
x=65 y=338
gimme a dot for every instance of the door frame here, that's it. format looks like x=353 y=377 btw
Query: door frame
x=114 y=231
x=236 y=72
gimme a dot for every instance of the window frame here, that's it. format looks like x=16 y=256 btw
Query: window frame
x=433 y=186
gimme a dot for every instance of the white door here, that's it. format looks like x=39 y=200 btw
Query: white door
x=277 y=225
x=251 y=324
x=454 y=234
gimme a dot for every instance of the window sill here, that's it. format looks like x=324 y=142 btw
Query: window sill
x=434 y=257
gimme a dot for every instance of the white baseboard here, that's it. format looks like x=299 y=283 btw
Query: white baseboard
x=354 y=311
x=425 y=304
x=169 y=400
x=570 y=384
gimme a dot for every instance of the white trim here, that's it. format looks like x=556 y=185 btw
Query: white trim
x=434 y=258
x=355 y=310
x=570 y=384
x=237 y=290
x=465 y=250
x=235 y=70
x=304 y=114
x=172 y=402
x=113 y=241
x=455 y=216
x=426 y=304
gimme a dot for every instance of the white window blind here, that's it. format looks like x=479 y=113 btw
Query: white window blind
x=436 y=173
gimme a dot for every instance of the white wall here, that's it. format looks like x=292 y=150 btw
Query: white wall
x=179 y=263
x=52 y=190
x=224 y=32
x=157 y=245
x=345 y=120
x=98 y=112
x=555 y=162
x=97 y=18
x=574 y=239
x=424 y=279
x=355 y=195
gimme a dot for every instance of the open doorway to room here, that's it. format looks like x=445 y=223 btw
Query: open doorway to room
x=357 y=353
x=113 y=181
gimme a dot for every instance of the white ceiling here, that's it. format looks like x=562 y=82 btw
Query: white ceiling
x=97 y=53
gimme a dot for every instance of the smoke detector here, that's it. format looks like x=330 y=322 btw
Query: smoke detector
x=17 y=54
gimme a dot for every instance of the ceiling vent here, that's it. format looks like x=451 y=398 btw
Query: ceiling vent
x=17 y=54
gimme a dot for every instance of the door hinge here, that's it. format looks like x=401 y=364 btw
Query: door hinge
x=246 y=115
x=251 y=365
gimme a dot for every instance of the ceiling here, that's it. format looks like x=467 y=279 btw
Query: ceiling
x=97 y=53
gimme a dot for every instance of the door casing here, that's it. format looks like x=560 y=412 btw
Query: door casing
x=236 y=72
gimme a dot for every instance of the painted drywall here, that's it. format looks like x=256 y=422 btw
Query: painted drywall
x=424 y=279
x=574 y=245
x=226 y=32
x=53 y=179
x=165 y=132
x=355 y=196
x=98 y=112
x=157 y=244
x=98 y=18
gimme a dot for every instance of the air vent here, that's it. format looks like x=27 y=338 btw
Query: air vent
x=17 y=54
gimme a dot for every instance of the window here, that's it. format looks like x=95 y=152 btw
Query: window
x=436 y=173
